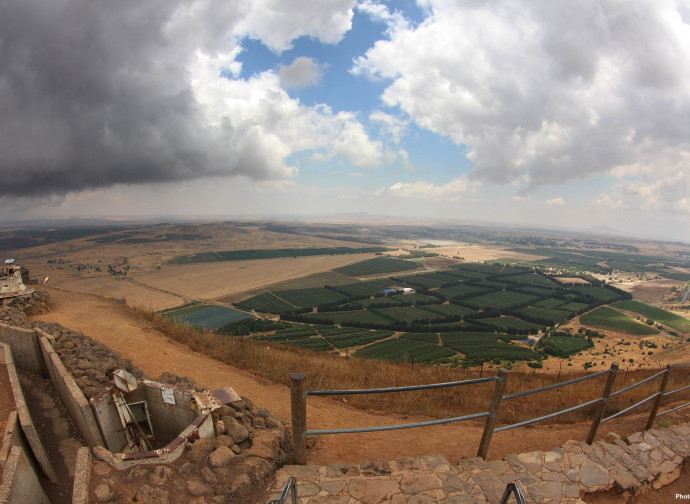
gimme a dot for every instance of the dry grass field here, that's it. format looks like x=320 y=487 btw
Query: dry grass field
x=222 y=279
x=477 y=253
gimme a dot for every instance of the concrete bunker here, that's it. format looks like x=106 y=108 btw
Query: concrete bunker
x=148 y=421
x=12 y=282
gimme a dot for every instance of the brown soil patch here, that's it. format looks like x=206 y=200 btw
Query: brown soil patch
x=113 y=324
x=572 y=280
x=649 y=291
x=478 y=253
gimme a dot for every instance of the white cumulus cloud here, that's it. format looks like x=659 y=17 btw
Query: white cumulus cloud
x=452 y=190
x=554 y=89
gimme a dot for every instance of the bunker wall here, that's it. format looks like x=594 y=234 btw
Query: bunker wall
x=25 y=350
x=19 y=481
x=72 y=397
x=25 y=417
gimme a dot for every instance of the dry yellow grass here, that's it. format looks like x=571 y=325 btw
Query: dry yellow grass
x=326 y=371
x=221 y=279
x=119 y=288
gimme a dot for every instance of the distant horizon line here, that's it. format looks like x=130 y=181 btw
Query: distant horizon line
x=77 y=221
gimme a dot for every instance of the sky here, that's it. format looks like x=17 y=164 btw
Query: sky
x=549 y=113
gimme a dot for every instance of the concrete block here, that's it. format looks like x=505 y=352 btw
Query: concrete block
x=82 y=477
x=13 y=436
x=25 y=417
x=19 y=481
x=71 y=395
x=25 y=351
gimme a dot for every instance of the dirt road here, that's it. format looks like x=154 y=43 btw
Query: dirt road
x=113 y=324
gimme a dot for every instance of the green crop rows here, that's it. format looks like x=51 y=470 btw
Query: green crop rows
x=244 y=255
x=358 y=338
x=311 y=297
x=563 y=346
x=267 y=303
x=657 y=314
x=427 y=337
x=396 y=300
x=500 y=300
x=487 y=346
x=608 y=318
x=458 y=291
x=509 y=323
x=403 y=350
x=368 y=288
x=377 y=266
x=548 y=316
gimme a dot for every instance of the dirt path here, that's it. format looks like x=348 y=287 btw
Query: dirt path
x=112 y=324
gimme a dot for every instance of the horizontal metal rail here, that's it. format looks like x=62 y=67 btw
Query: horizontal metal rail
x=666 y=394
x=396 y=427
x=555 y=385
x=674 y=409
x=622 y=412
x=551 y=415
x=618 y=392
x=407 y=388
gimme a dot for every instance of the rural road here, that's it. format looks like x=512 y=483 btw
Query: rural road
x=114 y=325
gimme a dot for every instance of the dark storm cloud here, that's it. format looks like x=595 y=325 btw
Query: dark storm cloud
x=95 y=93
x=90 y=98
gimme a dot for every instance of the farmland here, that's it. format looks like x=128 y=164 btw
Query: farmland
x=483 y=346
x=207 y=317
x=247 y=255
x=404 y=350
x=564 y=345
x=613 y=320
x=377 y=266
x=292 y=272
x=472 y=298
x=657 y=314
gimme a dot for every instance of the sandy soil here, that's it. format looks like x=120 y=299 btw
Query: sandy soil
x=112 y=323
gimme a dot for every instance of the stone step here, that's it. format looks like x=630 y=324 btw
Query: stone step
x=563 y=474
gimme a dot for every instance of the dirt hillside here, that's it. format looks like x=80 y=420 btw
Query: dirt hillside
x=113 y=324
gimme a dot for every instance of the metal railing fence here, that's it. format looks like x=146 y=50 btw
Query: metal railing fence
x=299 y=406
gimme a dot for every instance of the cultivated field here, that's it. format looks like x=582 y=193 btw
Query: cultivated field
x=220 y=279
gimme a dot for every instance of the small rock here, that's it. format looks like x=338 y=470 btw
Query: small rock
x=185 y=468
x=220 y=427
x=240 y=484
x=235 y=430
x=197 y=488
x=221 y=456
x=103 y=492
x=208 y=474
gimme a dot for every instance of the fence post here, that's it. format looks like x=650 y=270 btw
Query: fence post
x=608 y=388
x=490 y=424
x=298 y=405
x=657 y=401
